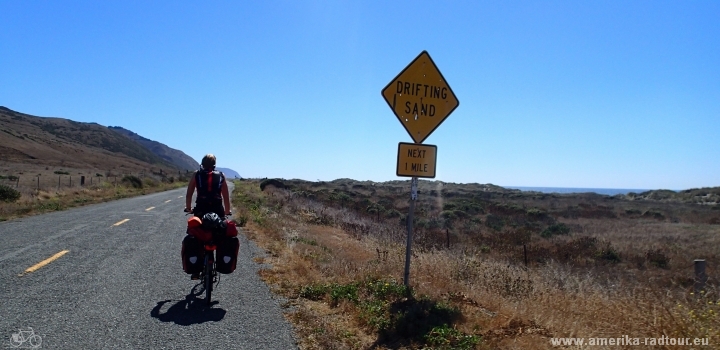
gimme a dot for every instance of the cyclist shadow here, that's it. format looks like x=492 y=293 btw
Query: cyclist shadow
x=189 y=311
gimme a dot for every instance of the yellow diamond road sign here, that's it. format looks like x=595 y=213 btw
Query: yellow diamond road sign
x=420 y=97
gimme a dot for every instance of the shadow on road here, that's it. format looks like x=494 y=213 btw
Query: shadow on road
x=188 y=312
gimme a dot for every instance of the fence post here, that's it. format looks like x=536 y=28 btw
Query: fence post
x=17 y=182
x=700 y=276
x=38 y=182
x=82 y=180
x=70 y=180
x=59 y=182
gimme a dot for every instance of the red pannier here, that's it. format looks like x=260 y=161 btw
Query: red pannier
x=195 y=229
x=231 y=230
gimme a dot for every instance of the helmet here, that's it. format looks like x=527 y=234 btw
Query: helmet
x=212 y=221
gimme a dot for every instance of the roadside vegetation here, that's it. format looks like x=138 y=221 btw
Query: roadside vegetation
x=491 y=268
x=24 y=195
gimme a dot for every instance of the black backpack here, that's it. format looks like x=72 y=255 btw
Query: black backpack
x=209 y=185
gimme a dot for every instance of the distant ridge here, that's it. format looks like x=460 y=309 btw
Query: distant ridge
x=705 y=195
x=171 y=155
x=605 y=191
x=229 y=173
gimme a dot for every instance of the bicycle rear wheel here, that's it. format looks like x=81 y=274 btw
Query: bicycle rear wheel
x=208 y=282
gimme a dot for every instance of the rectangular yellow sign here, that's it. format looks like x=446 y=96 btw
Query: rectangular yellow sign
x=416 y=160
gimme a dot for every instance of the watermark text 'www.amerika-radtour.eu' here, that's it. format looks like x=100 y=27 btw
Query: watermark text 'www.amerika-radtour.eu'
x=628 y=341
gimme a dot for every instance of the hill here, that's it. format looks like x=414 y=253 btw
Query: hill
x=229 y=173
x=706 y=195
x=171 y=155
x=33 y=140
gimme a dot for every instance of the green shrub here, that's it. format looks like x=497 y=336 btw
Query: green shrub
x=446 y=337
x=274 y=182
x=314 y=291
x=241 y=221
x=449 y=206
x=386 y=290
x=12 y=178
x=654 y=214
x=304 y=241
x=555 y=229
x=149 y=182
x=60 y=172
x=393 y=213
x=536 y=213
x=341 y=197
x=54 y=205
x=98 y=175
x=657 y=258
x=375 y=314
x=8 y=194
x=608 y=253
x=494 y=222
x=344 y=291
x=133 y=180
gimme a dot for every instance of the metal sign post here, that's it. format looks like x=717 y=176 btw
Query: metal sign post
x=408 y=248
x=421 y=100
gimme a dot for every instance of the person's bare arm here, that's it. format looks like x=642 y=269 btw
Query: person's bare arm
x=226 y=196
x=189 y=194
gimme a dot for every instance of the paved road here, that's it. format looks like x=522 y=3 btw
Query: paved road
x=123 y=286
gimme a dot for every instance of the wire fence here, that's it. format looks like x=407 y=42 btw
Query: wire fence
x=62 y=180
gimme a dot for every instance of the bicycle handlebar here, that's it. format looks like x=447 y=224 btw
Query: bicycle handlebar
x=192 y=211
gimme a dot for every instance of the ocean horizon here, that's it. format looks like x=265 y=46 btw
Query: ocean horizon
x=605 y=191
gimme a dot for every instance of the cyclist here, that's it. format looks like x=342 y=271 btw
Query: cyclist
x=212 y=190
x=212 y=193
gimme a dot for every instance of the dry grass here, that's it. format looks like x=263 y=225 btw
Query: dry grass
x=322 y=245
x=51 y=197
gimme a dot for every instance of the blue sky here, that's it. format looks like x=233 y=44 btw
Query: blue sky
x=601 y=94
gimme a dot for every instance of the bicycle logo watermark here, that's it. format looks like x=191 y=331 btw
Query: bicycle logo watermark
x=25 y=339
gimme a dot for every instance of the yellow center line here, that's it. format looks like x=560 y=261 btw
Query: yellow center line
x=151 y=208
x=121 y=222
x=169 y=200
x=44 y=262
